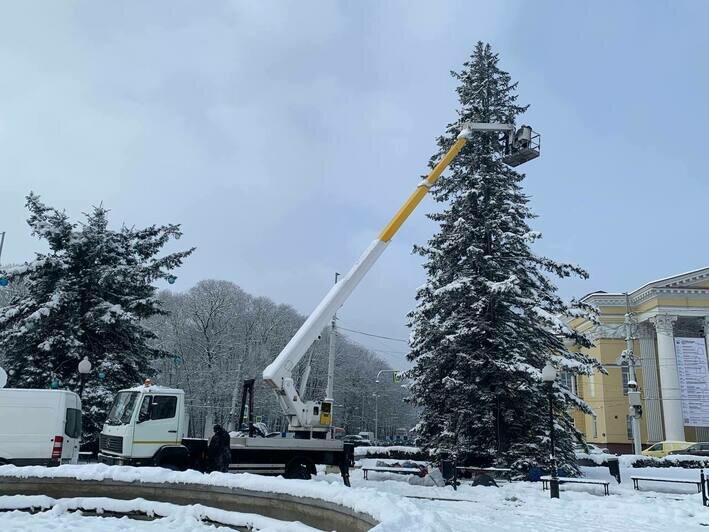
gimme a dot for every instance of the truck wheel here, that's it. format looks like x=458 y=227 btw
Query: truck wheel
x=299 y=468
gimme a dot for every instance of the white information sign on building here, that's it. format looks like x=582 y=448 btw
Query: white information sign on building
x=693 y=372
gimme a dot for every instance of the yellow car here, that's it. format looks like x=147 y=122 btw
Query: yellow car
x=663 y=448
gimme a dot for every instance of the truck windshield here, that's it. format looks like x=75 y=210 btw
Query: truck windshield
x=122 y=408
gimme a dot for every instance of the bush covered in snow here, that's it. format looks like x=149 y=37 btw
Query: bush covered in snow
x=594 y=459
x=397 y=452
x=679 y=460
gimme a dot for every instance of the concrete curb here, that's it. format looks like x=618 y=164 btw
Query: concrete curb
x=313 y=512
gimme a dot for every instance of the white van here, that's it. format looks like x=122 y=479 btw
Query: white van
x=39 y=427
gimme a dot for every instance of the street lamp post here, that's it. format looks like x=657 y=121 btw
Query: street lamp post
x=84 y=369
x=394 y=371
x=376 y=417
x=549 y=376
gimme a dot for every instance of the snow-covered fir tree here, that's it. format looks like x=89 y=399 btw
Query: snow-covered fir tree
x=86 y=297
x=488 y=318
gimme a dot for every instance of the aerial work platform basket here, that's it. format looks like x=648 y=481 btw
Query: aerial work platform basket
x=522 y=146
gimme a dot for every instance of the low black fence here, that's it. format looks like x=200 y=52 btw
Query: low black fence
x=705 y=488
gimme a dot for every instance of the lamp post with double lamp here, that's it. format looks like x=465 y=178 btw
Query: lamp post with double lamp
x=549 y=376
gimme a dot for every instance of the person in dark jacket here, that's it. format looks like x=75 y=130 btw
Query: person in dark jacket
x=219 y=450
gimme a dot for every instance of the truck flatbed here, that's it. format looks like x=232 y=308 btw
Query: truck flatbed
x=277 y=444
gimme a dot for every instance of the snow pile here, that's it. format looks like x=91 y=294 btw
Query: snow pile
x=173 y=517
x=392 y=511
x=19 y=521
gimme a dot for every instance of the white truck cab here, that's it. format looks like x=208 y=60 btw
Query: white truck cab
x=145 y=424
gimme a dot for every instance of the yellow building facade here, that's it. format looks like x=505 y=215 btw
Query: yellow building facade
x=666 y=314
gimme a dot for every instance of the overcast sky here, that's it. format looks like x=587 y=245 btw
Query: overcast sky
x=283 y=135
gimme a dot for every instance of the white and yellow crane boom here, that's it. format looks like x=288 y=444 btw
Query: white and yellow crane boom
x=313 y=418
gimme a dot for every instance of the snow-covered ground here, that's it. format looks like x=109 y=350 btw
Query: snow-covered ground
x=17 y=521
x=524 y=506
x=401 y=506
x=67 y=514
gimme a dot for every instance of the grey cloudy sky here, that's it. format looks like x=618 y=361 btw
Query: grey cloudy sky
x=283 y=135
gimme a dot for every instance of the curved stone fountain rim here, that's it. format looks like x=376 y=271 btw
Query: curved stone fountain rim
x=314 y=512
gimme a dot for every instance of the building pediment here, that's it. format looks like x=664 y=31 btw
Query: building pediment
x=694 y=279
x=694 y=284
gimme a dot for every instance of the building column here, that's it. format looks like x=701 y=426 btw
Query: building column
x=652 y=412
x=669 y=377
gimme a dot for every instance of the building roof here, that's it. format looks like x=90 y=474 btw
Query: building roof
x=680 y=283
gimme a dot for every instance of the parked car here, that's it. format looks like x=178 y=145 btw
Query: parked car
x=39 y=427
x=592 y=449
x=698 y=449
x=663 y=448
x=356 y=441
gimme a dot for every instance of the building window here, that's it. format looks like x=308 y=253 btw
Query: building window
x=625 y=375
x=592 y=385
x=629 y=426
x=568 y=380
x=594 y=426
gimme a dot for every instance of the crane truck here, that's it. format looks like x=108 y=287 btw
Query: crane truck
x=147 y=425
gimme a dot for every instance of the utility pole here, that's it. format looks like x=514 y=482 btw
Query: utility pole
x=331 y=355
x=3 y=280
x=235 y=424
x=634 y=401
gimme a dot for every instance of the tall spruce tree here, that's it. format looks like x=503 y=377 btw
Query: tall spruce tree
x=488 y=318
x=86 y=297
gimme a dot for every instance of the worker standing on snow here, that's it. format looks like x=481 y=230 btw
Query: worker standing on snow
x=219 y=450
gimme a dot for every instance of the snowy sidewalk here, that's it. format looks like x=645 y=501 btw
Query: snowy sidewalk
x=511 y=507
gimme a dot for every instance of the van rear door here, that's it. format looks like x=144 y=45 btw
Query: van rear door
x=71 y=429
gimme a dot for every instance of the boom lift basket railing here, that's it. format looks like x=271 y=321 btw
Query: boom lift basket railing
x=525 y=145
